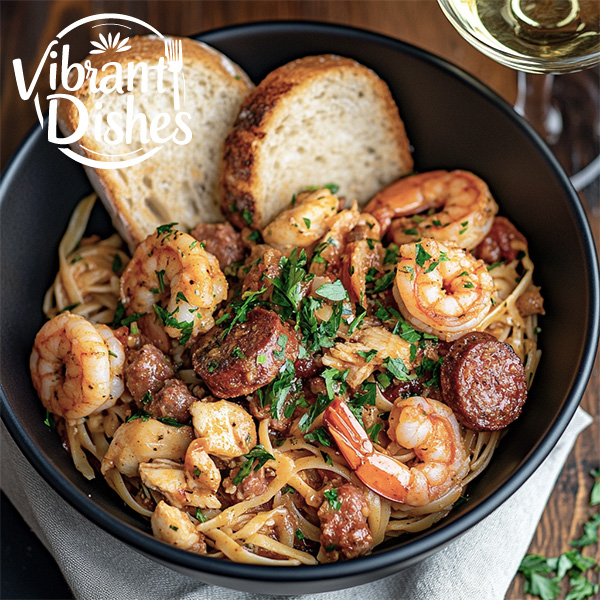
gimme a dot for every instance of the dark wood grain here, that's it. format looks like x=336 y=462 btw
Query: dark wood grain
x=27 y=28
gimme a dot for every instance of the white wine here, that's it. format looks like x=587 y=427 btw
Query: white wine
x=538 y=36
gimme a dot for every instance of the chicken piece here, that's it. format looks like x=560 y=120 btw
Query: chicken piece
x=140 y=441
x=174 y=527
x=169 y=479
x=225 y=428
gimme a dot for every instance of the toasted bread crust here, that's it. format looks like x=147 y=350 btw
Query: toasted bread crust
x=148 y=49
x=240 y=182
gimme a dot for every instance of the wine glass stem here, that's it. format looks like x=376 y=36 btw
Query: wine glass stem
x=534 y=102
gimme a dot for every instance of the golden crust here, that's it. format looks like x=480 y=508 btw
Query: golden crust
x=240 y=176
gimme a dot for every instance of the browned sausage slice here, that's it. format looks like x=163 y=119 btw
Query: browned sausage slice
x=498 y=243
x=483 y=381
x=248 y=357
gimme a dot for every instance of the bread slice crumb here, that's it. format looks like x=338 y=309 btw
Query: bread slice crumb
x=314 y=121
x=180 y=183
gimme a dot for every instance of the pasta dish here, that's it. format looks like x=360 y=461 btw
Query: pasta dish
x=298 y=394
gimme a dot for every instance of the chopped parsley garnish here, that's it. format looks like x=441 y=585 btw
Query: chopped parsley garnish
x=257 y=453
x=306 y=222
x=319 y=435
x=317 y=258
x=391 y=255
x=277 y=392
x=140 y=414
x=496 y=264
x=240 y=309
x=247 y=216
x=299 y=534
x=323 y=401
x=168 y=320
x=374 y=432
x=398 y=369
x=318 y=334
x=146 y=398
x=332 y=497
x=200 y=516
x=334 y=381
x=421 y=255
x=237 y=353
x=367 y=355
x=333 y=291
x=50 y=420
x=256 y=236
x=170 y=421
x=288 y=287
x=161 y=282
x=383 y=283
x=120 y=320
x=361 y=313
x=165 y=228
x=181 y=297
x=117 y=263
x=69 y=307
x=282 y=343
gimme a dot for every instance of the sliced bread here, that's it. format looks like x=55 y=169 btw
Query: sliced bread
x=317 y=120
x=180 y=183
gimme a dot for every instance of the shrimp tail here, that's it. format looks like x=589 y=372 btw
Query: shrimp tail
x=379 y=472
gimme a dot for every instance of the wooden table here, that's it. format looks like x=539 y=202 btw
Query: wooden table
x=27 y=28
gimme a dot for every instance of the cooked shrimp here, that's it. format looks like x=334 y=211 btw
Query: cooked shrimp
x=441 y=289
x=170 y=267
x=467 y=214
x=427 y=427
x=331 y=246
x=304 y=223
x=76 y=366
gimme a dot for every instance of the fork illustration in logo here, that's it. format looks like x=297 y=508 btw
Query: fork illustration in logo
x=174 y=56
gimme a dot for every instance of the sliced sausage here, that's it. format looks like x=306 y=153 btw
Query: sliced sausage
x=344 y=528
x=253 y=485
x=530 y=302
x=222 y=241
x=173 y=400
x=146 y=371
x=248 y=357
x=498 y=243
x=484 y=382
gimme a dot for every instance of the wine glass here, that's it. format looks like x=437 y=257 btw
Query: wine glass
x=540 y=38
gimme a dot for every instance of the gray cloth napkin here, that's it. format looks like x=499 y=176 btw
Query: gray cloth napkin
x=480 y=564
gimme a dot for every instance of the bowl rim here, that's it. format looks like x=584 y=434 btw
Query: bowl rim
x=413 y=549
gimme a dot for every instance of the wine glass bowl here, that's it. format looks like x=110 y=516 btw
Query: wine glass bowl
x=542 y=36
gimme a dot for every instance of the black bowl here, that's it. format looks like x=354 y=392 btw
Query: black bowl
x=453 y=121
